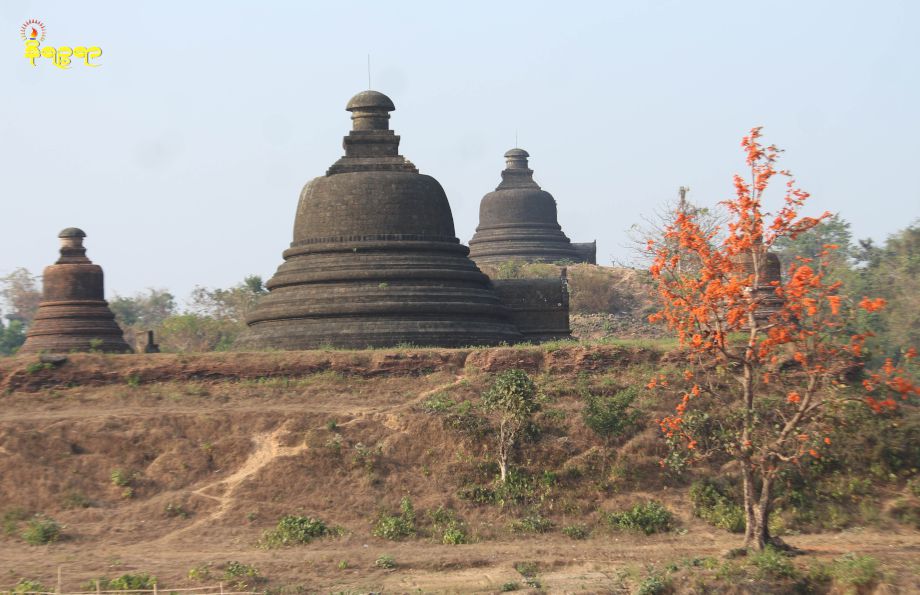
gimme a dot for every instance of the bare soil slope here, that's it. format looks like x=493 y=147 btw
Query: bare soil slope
x=165 y=463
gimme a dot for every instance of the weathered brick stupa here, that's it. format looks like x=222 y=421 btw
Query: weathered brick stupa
x=374 y=260
x=73 y=314
x=770 y=272
x=518 y=222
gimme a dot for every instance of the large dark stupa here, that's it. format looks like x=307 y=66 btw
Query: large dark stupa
x=375 y=261
x=73 y=314
x=518 y=221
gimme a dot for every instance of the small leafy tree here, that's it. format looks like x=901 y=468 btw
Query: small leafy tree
x=231 y=304
x=12 y=336
x=145 y=310
x=21 y=293
x=513 y=399
x=613 y=416
x=892 y=271
x=776 y=381
x=831 y=230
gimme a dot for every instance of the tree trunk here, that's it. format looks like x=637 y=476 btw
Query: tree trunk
x=750 y=519
x=503 y=451
x=757 y=512
x=761 y=531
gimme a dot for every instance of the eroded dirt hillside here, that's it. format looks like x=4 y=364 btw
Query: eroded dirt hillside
x=168 y=463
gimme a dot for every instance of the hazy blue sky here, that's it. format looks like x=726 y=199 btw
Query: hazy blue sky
x=184 y=154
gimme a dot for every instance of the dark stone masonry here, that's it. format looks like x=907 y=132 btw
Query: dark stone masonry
x=518 y=221
x=73 y=314
x=539 y=307
x=375 y=261
x=769 y=273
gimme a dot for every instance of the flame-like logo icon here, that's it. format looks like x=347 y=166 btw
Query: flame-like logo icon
x=32 y=30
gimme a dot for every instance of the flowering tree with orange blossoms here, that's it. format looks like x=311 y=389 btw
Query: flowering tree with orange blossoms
x=774 y=357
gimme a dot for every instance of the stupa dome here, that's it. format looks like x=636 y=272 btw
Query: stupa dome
x=73 y=314
x=518 y=221
x=370 y=99
x=72 y=232
x=374 y=259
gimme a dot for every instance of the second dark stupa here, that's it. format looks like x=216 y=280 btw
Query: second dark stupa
x=375 y=261
x=518 y=221
x=73 y=314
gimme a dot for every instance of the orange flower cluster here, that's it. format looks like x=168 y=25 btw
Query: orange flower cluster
x=892 y=382
x=872 y=305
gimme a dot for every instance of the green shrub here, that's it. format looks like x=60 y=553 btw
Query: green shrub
x=477 y=494
x=295 y=530
x=852 y=570
x=199 y=573
x=122 y=478
x=454 y=534
x=36 y=367
x=241 y=576
x=366 y=456
x=41 y=530
x=29 y=586
x=650 y=517
x=385 y=561
x=575 y=531
x=125 y=582
x=527 y=569
x=438 y=403
x=655 y=583
x=510 y=586
x=452 y=529
x=612 y=416
x=772 y=564
x=394 y=527
x=711 y=504
x=518 y=488
x=532 y=523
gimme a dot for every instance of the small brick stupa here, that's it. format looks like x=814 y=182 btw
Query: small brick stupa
x=375 y=261
x=73 y=314
x=518 y=221
x=770 y=272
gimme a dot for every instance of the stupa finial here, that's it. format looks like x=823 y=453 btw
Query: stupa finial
x=370 y=110
x=371 y=145
x=516 y=159
x=72 y=249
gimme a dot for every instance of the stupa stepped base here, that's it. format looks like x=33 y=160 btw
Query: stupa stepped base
x=62 y=327
x=360 y=333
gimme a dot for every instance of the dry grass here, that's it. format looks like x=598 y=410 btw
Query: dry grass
x=218 y=447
